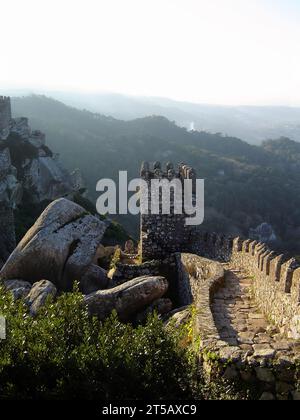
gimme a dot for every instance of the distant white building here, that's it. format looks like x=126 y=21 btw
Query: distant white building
x=192 y=126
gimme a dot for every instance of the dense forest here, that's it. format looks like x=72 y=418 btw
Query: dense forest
x=245 y=184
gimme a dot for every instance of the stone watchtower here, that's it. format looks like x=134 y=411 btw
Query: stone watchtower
x=163 y=234
x=5 y=116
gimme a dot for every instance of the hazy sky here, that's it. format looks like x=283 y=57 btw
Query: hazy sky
x=209 y=51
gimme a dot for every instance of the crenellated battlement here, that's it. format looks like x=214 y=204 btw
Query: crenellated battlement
x=257 y=257
x=276 y=283
x=276 y=278
x=162 y=234
x=4 y=99
x=158 y=171
x=282 y=272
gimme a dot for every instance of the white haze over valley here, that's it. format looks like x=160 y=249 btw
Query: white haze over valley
x=223 y=64
x=228 y=52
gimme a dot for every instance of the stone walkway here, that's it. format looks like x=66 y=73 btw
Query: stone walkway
x=241 y=324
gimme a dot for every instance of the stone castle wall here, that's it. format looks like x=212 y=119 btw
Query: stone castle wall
x=163 y=234
x=126 y=272
x=266 y=375
x=271 y=285
x=276 y=280
x=194 y=274
x=276 y=283
x=211 y=245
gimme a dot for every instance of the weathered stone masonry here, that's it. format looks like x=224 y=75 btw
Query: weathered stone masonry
x=247 y=316
x=162 y=234
x=247 y=299
x=276 y=284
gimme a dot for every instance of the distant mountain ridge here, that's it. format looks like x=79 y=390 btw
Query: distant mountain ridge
x=246 y=185
x=253 y=124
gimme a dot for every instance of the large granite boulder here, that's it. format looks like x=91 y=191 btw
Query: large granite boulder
x=127 y=299
x=60 y=247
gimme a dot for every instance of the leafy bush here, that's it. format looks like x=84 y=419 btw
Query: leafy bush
x=65 y=354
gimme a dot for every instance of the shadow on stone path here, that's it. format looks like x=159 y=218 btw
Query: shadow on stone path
x=239 y=321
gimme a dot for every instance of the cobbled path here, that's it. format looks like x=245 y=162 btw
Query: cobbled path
x=241 y=324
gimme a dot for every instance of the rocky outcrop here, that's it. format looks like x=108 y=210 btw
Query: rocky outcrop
x=10 y=197
x=48 y=177
x=60 y=247
x=27 y=169
x=40 y=170
x=127 y=299
x=39 y=294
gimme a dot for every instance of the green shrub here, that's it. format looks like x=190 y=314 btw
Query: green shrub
x=64 y=354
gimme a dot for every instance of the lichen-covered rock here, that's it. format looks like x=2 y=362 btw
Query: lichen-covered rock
x=59 y=247
x=38 y=295
x=18 y=288
x=128 y=298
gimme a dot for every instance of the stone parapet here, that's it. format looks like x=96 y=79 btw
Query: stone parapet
x=275 y=284
x=267 y=364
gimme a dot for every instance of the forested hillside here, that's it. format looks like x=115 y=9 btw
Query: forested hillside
x=245 y=185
